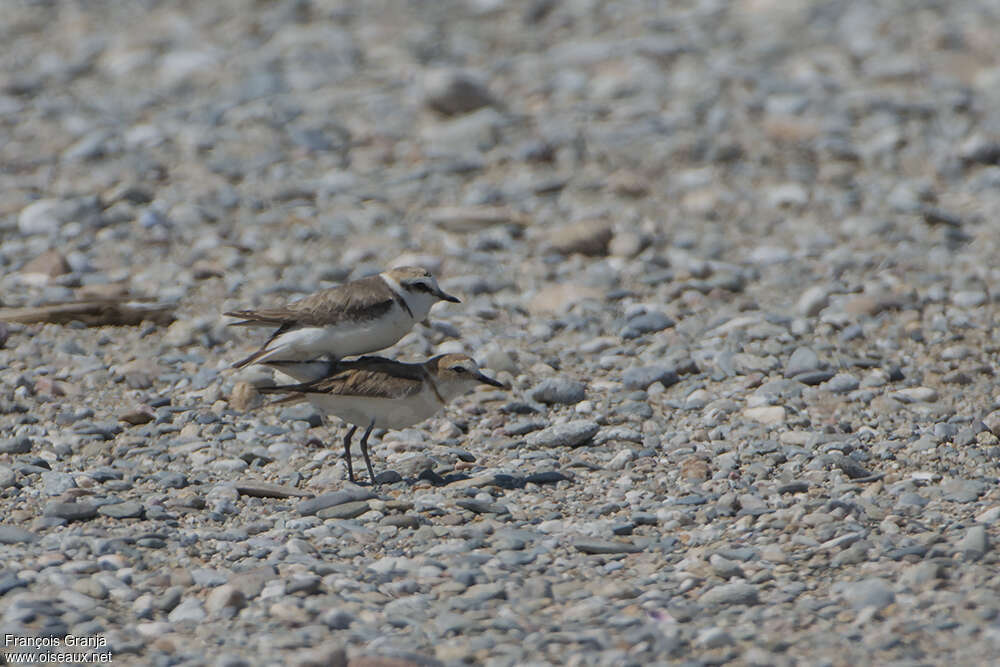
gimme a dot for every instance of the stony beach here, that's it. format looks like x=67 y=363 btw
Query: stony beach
x=737 y=261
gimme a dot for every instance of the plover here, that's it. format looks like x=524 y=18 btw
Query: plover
x=358 y=317
x=375 y=392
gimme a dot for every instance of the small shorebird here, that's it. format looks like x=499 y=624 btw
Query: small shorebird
x=380 y=393
x=358 y=317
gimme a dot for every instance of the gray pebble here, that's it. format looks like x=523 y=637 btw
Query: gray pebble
x=803 y=360
x=570 y=434
x=975 y=543
x=559 y=390
x=15 y=535
x=650 y=322
x=189 y=610
x=71 y=511
x=641 y=377
x=727 y=594
x=873 y=592
x=15 y=446
x=348 y=510
x=453 y=91
x=842 y=383
x=596 y=546
x=346 y=495
x=57 y=483
x=125 y=510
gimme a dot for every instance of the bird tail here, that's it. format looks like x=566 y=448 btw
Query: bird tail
x=251 y=359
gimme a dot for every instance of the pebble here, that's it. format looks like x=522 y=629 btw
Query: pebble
x=641 y=377
x=189 y=610
x=586 y=237
x=15 y=446
x=15 y=535
x=766 y=414
x=974 y=544
x=650 y=322
x=873 y=592
x=71 y=511
x=570 y=434
x=453 y=91
x=332 y=499
x=124 y=510
x=730 y=594
x=558 y=391
x=57 y=483
x=347 y=510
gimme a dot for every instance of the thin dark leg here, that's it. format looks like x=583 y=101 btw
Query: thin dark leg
x=347 y=451
x=364 y=450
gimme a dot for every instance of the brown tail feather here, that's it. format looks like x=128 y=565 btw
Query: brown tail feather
x=264 y=348
x=251 y=318
x=252 y=358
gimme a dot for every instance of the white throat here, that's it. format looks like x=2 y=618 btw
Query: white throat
x=418 y=303
x=452 y=389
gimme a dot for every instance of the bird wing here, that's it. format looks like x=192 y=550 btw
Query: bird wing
x=359 y=300
x=371 y=377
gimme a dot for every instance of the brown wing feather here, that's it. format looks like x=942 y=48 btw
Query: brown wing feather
x=374 y=377
x=361 y=299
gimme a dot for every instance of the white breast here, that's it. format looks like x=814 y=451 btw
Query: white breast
x=394 y=413
x=343 y=340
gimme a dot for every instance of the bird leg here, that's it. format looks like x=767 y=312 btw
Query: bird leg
x=347 y=451
x=364 y=450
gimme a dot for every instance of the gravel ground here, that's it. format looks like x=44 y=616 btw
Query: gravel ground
x=737 y=260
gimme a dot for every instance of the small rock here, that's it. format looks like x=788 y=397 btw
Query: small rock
x=726 y=594
x=842 y=383
x=334 y=655
x=15 y=445
x=974 y=544
x=71 y=511
x=57 y=483
x=641 y=377
x=873 y=592
x=766 y=414
x=15 y=535
x=803 y=360
x=560 y=298
x=143 y=414
x=245 y=397
x=189 y=610
x=724 y=567
x=49 y=264
x=225 y=596
x=915 y=395
x=570 y=434
x=595 y=546
x=47 y=216
x=454 y=91
x=334 y=498
x=649 y=322
x=126 y=510
x=586 y=237
x=347 y=510
x=711 y=638
x=813 y=300
x=558 y=390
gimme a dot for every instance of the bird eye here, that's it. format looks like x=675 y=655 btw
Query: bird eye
x=459 y=369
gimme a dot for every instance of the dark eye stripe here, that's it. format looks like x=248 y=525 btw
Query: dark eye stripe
x=421 y=287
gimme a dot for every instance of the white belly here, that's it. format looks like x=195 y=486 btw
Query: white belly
x=394 y=413
x=343 y=340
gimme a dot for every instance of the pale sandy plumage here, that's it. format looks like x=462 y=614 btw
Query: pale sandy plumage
x=358 y=317
x=375 y=392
